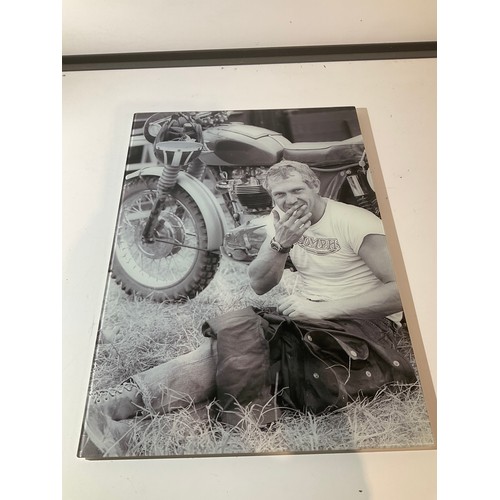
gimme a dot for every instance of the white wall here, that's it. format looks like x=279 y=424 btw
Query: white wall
x=97 y=26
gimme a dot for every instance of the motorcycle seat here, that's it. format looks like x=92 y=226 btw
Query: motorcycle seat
x=331 y=153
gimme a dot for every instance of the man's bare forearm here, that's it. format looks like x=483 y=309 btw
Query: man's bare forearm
x=266 y=270
x=382 y=301
x=377 y=303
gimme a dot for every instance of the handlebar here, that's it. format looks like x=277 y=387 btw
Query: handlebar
x=175 y=126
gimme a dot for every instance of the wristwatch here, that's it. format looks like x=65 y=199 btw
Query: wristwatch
x=279 y=247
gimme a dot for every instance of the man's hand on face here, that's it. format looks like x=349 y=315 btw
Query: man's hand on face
x=299 y=308
x=293 y=224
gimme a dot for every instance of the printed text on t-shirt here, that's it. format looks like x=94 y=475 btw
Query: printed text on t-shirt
x=319 y=246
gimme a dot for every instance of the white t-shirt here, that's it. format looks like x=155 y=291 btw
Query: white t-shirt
x=326 y=256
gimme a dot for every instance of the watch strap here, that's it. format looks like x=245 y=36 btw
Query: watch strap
x=279 y=247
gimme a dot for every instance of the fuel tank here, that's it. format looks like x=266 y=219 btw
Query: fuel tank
x=236 y=144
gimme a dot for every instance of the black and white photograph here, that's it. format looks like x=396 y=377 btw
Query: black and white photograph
x=251 y=304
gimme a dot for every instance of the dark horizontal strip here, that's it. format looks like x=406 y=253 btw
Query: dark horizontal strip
x=268 y=55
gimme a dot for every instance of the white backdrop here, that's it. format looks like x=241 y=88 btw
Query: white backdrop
x=97 y=26
x=399 y=98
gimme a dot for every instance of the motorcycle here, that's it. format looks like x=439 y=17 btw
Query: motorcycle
x=204 y=198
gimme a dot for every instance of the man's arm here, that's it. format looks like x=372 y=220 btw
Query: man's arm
x=266 y=270
x=376 y=303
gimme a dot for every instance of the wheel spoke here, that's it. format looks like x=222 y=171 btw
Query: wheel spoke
x=146 y=262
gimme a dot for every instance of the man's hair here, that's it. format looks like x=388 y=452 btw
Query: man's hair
x=286 y=168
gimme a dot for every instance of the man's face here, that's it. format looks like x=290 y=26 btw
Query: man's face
x=293 y=190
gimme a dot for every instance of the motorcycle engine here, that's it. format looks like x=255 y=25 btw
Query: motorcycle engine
x=246 y=185
x=253 y=197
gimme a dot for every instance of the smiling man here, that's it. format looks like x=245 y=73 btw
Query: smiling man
x=339 y=250
x=321 y=348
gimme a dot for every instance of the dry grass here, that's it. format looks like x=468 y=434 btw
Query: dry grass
x=144 y=334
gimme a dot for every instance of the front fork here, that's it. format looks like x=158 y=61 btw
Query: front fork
x=176 y=156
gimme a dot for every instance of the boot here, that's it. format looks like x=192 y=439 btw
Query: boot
x=118 y=403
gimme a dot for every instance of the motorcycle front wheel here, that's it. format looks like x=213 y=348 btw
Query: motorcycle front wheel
x=176 y=265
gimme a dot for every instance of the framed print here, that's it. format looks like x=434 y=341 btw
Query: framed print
x=251 y=306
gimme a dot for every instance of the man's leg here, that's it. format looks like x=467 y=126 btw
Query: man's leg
x=181 y=382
